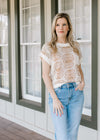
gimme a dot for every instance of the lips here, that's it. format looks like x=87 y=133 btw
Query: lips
x=61 y=31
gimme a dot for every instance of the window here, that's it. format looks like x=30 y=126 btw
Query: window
x=30 y=22
x=82 y=14
x=5 y=69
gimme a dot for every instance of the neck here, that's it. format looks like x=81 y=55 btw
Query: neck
x=62 y=40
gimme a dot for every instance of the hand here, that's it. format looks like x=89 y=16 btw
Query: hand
x=80 y=86
x=57 y=105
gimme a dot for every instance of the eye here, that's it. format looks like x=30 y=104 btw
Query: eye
x=64 y=24
x=57 y=24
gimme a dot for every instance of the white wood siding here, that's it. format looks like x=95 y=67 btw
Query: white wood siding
x=32 y=119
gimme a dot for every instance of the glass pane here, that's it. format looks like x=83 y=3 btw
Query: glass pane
x=1 y=67
x=6 y=68
x=27 y=3
x=37 y=88
x=4 y=20
x=0 y=19
x=83 y=19
x=35 y=2
x=5 y=53
x=80 y=14
x=4 y=37
x=1 y=52
x=1 y=81
x=27 y=16
x=4 y=6
x=29 y=71
x=36 y=24
x=23 y=17
x=29 y=87
x=23 y=3
x=26 y=34
x=29 y=53
x=30 y=22
x=30 y=49
x=4 y=74
x=4 y=82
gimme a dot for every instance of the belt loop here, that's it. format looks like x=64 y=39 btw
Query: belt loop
x=67 y=85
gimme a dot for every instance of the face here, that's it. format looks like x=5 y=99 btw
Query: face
x=61 y=28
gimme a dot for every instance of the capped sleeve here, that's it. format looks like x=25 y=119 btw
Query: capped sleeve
x=46 y=53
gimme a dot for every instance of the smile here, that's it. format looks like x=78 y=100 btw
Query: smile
x=61 y=31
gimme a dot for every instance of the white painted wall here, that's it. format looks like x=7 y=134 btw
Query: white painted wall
x=34 y=120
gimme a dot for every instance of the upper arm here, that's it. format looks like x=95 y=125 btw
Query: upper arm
x=45 y=56
x=80 y=69
x=80 y=52
x=45 y=68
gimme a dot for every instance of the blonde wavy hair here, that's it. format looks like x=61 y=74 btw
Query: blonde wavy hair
x=69 y=36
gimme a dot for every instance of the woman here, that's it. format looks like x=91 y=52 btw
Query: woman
x=63 y=77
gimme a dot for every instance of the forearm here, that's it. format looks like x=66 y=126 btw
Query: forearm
x=49 y=86
x=82 y=75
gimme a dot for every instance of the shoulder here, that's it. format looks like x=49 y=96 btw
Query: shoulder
x=46 y=48
x=46 y=45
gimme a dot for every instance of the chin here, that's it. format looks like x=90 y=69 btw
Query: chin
x=60 y=35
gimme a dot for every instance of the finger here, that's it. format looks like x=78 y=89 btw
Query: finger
x=62 y=106
x=53 y=110
x=77 y=88
x=56 y=112
x=59 y=112
x=81 y=89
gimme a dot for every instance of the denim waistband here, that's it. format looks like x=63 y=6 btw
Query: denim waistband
x=68 y=85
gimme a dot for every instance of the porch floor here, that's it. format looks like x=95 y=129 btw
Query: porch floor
x=13 y=131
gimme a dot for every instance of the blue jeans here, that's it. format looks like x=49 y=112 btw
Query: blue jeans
x=66 y=126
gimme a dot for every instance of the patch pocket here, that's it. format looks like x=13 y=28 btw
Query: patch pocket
x=80 y=91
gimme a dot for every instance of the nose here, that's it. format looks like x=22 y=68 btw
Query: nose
x=61 y=26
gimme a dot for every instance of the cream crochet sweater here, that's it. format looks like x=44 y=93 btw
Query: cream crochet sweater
x=64 y=64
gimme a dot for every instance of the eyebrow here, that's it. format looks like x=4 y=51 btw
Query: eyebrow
x=62 y=23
